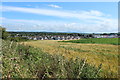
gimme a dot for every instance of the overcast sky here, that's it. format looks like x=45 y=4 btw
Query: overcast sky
x=80 y=17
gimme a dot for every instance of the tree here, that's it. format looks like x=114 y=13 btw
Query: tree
x=3 y=33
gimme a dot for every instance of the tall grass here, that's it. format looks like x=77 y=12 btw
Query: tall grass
x=20 y=61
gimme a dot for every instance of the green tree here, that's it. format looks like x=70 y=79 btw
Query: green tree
x=3 y=33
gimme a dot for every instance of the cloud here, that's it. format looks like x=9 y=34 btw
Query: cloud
x=54 y=6
x=70 y=24
x=96 y=15
x=94 y=21
x=54 y=26
x=2 y=18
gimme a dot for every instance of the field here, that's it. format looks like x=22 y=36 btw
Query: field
x=96 y=54
x=56 y=59
x=113 y=41
x=20 y=61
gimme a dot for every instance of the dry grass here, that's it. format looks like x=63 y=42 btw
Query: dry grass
x=95 y=53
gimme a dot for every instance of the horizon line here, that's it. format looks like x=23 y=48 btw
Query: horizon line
x=65 y=32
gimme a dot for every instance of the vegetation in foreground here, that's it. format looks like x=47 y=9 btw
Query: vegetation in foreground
x=20 y=61
x=113 y=41
x=95 y=53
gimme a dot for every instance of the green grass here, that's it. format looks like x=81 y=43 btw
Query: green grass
x=113 y=41
x=20 y=61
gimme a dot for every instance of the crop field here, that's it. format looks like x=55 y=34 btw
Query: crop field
x=95 y=54
x=56 y=59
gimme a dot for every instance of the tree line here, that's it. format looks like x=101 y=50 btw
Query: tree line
x=12 y=35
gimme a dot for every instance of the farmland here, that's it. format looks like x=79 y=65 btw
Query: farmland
x=57 y=59
x=113 y=41
x=96 y=54
x=20 y=61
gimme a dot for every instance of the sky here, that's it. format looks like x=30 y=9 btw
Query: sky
x=79 y=17
x=60 y=0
